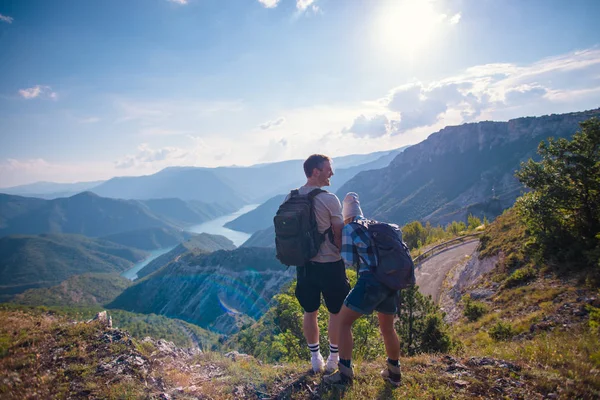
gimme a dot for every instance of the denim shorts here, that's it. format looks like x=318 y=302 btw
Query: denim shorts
x=370 y=295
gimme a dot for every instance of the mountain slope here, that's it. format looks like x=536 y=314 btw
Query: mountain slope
x=48 y=259
x=90 y=289
x=184 y=213
x=200 y=289
x=176 y=182
x=201 y=243
x=149 y=238
x=460 y=168
x=85 y=213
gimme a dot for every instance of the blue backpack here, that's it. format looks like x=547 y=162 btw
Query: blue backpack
x=395 y=267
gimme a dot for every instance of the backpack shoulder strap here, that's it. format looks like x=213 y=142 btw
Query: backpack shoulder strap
x=313 y=193
x=294 y=192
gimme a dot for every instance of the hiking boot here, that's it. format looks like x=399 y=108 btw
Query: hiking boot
x=332 y=363
x=317 y=363
x=392 y=375
x=343 y=376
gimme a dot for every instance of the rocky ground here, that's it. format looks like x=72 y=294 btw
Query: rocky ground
x=44 y=356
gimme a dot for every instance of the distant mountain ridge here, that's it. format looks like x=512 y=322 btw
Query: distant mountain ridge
x=460 y=169
x=50 y=190
x=262 y=217
x=91 y=215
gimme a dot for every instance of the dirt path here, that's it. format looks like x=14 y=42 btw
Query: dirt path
x=431 y=273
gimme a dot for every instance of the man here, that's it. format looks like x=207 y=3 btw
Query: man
x=325 y=273
x=368 y=295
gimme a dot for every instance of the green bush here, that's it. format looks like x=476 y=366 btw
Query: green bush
x=501 y=331
x=473 y=309
x=421 y=325
x=520 y=276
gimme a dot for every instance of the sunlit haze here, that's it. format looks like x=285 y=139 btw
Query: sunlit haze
x=90 y=90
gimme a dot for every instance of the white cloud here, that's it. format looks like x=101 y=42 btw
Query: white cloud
x=272 y=124
x=376 y=126
x=38 y=91
x=7 y=19
x=303 y=4
x=269 y=3
x=149 y=157
x=182 y=2
x=497 y=91
x=524 y=94
x=455 y=19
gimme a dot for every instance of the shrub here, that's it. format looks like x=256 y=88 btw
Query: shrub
x=501 y=331
x=520 y=276
x=421 y=325
x=473 y=309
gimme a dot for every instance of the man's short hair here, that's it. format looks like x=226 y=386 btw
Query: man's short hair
x=314 y=161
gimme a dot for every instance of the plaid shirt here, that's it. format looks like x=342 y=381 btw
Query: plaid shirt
x=356 y=246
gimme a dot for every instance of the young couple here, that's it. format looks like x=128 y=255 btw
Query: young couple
x=326 y=274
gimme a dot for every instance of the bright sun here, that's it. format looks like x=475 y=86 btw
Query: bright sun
x=406 y=26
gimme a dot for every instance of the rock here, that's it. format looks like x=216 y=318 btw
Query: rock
x=164 y=396
x=456 y=367
x=235 y=356
x=480 y=294
x=461 y=384
x=104 y=319
x=449 y=359
x=551 y=396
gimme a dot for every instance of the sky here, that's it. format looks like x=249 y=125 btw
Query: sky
x=94 y=89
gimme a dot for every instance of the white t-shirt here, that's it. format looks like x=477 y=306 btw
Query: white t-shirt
x=328 y=210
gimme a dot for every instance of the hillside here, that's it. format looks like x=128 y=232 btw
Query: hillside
x=198 y=243
x=201 y=288
x=259 y=218
x=28 y=261
x=85 y=213
x=460 y=169
x=262 y=238
x=149 y=238
x=86 y=290
x=185 y=213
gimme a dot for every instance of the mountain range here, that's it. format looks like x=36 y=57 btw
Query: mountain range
x=262 y=217
x=459 y=170
x=91 y=215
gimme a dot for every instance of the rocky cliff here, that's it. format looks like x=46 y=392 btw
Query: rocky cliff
x=459 y=170
x=201 y=288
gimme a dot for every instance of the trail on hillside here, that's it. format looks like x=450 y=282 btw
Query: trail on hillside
x=431 y=273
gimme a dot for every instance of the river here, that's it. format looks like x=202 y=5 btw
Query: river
x=131 y=273
x=214 y=226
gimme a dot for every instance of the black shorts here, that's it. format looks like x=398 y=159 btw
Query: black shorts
x=328 y=278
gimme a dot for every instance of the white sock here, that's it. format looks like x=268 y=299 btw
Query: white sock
x=314 y=349
x=333 y=351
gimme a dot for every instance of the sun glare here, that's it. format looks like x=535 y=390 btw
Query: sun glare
x=406 y=27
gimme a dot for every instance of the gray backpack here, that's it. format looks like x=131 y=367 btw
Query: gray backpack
x=395 y=267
